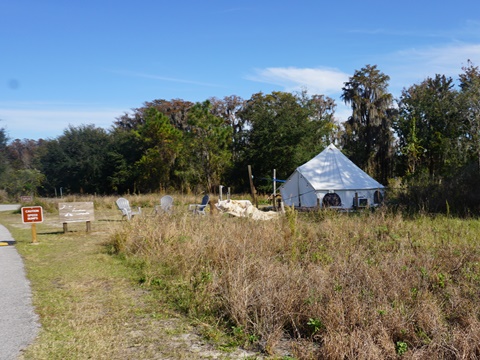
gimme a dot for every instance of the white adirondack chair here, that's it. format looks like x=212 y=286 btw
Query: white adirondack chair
x=124 y=206
x=166 y=205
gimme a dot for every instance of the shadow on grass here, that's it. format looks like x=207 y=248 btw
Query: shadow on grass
x=8 y=242
x=50 y=232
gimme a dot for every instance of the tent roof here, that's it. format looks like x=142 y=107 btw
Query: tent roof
x=331 y=170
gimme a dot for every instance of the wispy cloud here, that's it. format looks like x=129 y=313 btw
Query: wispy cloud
x=325 y=81
x=36 y=123
x=414 y=33
x=162 y=78
x=445 y=59
x=44 y=104
x=411 y=66
x=469 y=29
x=234 y=9
x=322 y=81
x=405 y=67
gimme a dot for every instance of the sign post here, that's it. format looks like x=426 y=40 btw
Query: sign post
x=32 y=215
x=76 y=212
x=34 y=233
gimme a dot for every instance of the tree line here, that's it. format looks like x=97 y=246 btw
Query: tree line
x=425 y=145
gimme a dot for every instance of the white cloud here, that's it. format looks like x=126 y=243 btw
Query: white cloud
x=405 y=67
x=342 y=112
x=323 y=81
x=36 y=123
x=411 y=66
x=446 y=60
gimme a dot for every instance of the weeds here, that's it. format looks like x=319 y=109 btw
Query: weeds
x=351 y=286
x=366 y=285
x=401 y=347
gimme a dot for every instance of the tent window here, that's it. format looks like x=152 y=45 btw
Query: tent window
x=377 y=197
x=331 y=199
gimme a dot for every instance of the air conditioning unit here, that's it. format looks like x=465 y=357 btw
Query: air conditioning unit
x=362 y=203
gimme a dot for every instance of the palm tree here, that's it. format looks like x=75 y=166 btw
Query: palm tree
x=368 y=137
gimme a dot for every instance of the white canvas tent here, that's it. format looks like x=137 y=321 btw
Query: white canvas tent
x=331 y=179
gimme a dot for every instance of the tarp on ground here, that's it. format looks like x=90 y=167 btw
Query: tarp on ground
x=244 y=208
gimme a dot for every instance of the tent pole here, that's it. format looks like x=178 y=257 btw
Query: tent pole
x=252 y=187
x=274 y=189
x=298 y=191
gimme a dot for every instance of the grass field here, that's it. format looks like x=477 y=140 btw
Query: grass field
x=321 y=285
x=92 y=304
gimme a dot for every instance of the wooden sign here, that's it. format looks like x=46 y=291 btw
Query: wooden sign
x=76 y=211
x=32 y=214
x=26 y=198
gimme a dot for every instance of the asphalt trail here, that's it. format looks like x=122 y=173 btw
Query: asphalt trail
x=18 y=322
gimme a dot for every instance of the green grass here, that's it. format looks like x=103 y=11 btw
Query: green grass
x=86 y=299
x=305 y=286
x=91 y=304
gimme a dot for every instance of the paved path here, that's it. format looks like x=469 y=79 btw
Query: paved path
x=18 y=321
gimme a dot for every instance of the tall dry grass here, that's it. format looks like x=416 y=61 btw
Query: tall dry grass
x=107 y=202
x=340 y=286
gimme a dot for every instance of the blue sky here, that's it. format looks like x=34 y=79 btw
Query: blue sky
x=87 y=62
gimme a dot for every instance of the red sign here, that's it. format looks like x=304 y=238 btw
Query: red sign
x=32 y=214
